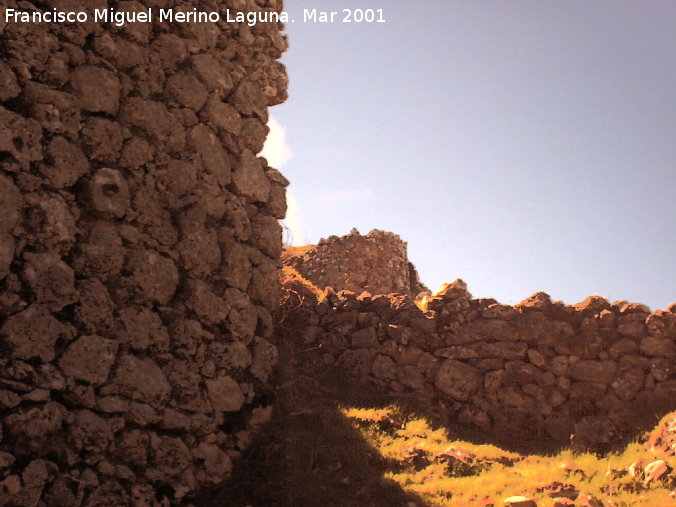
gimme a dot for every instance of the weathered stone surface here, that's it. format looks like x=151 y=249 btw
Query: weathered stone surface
x=264 y=359
x=65 y=163
x=102 y=255
x=9 y=87
x=109 y=192
x=32 y=333
x=594 y=429
x=504 y=350
x=237 y=267
x=89 y=359
x=213 y=73
x=365 y=338
x=242 y=314
x=33 y=429
x=217 y=464
x=142 y=329
x=411 y=377
x=457 y=352
x=658 y=347
x=225 y=394
x=155 y=275
x=103 y=139
x=187 y=90
x=140 y=379
x=250 y=180
x=384 y=368
x=52 y=222
x=94 y=311
x=518 y=372
x=458 y=380
x=156 y=120
x=628 y=383
x=97 y=89
x=7 y=247
x=89 y=432
x=51 y=280
x=358 y=360
x=593 y=371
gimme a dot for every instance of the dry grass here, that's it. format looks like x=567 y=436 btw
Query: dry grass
x=296 y=251
x=292 y=280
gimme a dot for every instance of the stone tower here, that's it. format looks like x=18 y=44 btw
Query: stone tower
x=139 y=245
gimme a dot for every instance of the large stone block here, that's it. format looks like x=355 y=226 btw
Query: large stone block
x=458 y=380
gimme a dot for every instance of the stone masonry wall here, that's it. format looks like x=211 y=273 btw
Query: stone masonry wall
x=536 y=372
x=139 y=248
x=377 y=262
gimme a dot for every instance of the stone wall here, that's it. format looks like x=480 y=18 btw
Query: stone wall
x=377 y=262
x=535 y=372
x=139 y=245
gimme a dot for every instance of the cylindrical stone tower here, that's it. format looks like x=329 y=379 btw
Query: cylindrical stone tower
x=139 y=248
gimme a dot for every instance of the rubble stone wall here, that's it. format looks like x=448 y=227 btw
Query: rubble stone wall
x=139 y=249
x=377 y=262
x=535 y=372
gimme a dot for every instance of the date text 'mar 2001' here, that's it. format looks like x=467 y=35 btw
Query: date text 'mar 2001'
x=346 y=16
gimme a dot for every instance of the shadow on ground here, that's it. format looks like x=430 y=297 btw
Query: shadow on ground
x=310 y=454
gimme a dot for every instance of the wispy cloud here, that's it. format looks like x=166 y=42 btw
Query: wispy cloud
x=341 y=196
x=278 y=152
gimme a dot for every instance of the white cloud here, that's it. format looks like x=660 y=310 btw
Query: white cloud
x=276 y=150
x=346 y=196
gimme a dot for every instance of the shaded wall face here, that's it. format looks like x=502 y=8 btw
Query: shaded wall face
x=139 y=244
x=530 y=374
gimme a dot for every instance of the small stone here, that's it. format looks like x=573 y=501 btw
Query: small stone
x=51 y=280
x=6 y=460
x=97 y=89
x=89 y=358
x=32 y=333
x=519 y=501
x=225 y=394
x=141 y=379
x=265 y=359
x=8 y=399
x=655 y=471
x=536 y=358
x=365 y=338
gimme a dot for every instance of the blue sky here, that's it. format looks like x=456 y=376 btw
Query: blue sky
x=520 y=145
